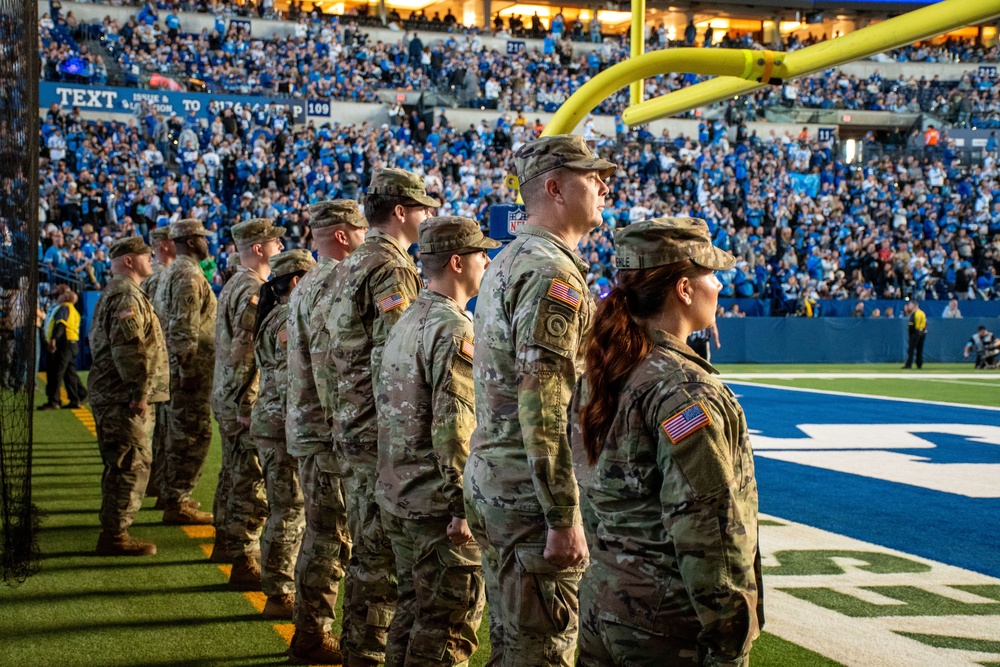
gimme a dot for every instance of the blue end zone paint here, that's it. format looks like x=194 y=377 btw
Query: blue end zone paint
x=948 y=528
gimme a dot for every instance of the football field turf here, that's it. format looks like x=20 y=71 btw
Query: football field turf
x=878 y=535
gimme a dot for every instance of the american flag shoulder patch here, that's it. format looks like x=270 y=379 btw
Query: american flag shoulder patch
x=254 y=300
x=686 y=422
x=283 y=335
x=562 y=291
x=467 y=348
x=125 y=314
x=391 y=302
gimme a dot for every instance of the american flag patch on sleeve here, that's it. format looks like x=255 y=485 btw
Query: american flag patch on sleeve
x=283 y=335
x=394 y=300
x=254 y=300
x=686 y=422
x=125 y=314
x=564 y=292
x=468 y=349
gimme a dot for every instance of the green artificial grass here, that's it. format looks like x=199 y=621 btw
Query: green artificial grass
x=169 y=610
x=727 y=369
x=985 y=392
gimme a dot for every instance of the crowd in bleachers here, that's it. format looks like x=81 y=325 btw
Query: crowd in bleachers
x=335 y=59
x=804 y=224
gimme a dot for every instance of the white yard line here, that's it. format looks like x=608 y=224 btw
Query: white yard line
x=866 y=376
x=727 y=380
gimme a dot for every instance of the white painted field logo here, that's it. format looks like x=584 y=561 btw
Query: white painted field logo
x=874 y=451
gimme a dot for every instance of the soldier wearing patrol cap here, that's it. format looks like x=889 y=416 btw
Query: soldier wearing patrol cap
x=426 y=410
x=371 y=289
x=338 y=228
x=128 y=378
x=164 y=252
x=682 y=524
x=532 y=318
x=279 y=544
x=188 y=304
x=240 y=506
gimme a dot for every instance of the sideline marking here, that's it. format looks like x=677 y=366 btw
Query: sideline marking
x=917 y=375
x=848 y=394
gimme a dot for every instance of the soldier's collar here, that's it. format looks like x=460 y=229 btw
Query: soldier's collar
x=377 y=235
x=535 y=230
x=679 y=346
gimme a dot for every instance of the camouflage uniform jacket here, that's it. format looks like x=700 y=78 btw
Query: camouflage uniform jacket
x=532 y=318
x=426 y=409
x=235 y=387
x=371 y=289
x=130 y=355
x=189 y=305
x=307 y=429
x=150 y=286
x=271 y=354
x=675 y=499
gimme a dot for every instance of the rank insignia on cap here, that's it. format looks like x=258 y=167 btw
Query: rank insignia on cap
x=254 y=300
x=283 y=335
x=686 y=422
x=391 y=302
x=125 y=314
x=564 y=292
x=467 y=348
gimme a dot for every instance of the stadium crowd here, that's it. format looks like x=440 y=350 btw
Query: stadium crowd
x=337 y=60
x=803 y=223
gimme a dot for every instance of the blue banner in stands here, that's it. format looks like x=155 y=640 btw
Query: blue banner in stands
x=124 y=100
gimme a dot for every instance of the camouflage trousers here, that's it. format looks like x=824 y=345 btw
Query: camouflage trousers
x=441 y=594
x=534 y=615
x=160 y=435
x=370 y=587
x=606 y=639
x=188 y=439
x=240 y=504
x=125 y=441
x=326 y=543
x=279 y=544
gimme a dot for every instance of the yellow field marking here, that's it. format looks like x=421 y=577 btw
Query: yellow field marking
x=286 y=630
x=257 y=599
x=207 y=548
x=199 y=532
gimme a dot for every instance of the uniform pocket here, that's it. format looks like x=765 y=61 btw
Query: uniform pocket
x=547 y=597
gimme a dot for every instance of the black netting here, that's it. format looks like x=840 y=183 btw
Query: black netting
x=18 y=281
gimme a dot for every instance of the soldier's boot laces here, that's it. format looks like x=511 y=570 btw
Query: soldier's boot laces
x=245 y=575
x=123 y=544
x=186 y=513
x=220 y=551
x=279 y=607
x=315 y=648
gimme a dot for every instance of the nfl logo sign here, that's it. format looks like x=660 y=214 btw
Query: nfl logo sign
x=506 y=221
x=515 y=219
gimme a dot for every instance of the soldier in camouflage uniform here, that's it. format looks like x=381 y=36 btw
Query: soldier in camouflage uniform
x=532 y=317
x=426 y=415
x=129 y=376
x=240 y=504
x=279 y=545
x=338 y=228
x=371 y=289
x=164 y=252
x=675 y=576
x=187 y=303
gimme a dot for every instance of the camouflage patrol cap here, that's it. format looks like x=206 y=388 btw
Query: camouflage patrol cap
x=187 y=227
x=130 y=245
x=335 y=212
x=560 y=150
x=661 y=241
x=256 y=230
x=159 y=233
x=291 y=261
x=452 y=233
x=401 y=183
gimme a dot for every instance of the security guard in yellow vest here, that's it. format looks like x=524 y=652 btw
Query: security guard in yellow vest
x=63 y=337
x=916 y=334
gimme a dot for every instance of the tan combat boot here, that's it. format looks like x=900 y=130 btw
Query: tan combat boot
x=123 y=544
x=279 y=607
x=245 y=575
x=186 y=513
x=315 y=648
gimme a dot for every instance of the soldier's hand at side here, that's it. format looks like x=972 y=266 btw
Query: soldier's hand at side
x=458 y=531
x=189 y=383
x=243 y=421
x=565 y=547
x=138 y=408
